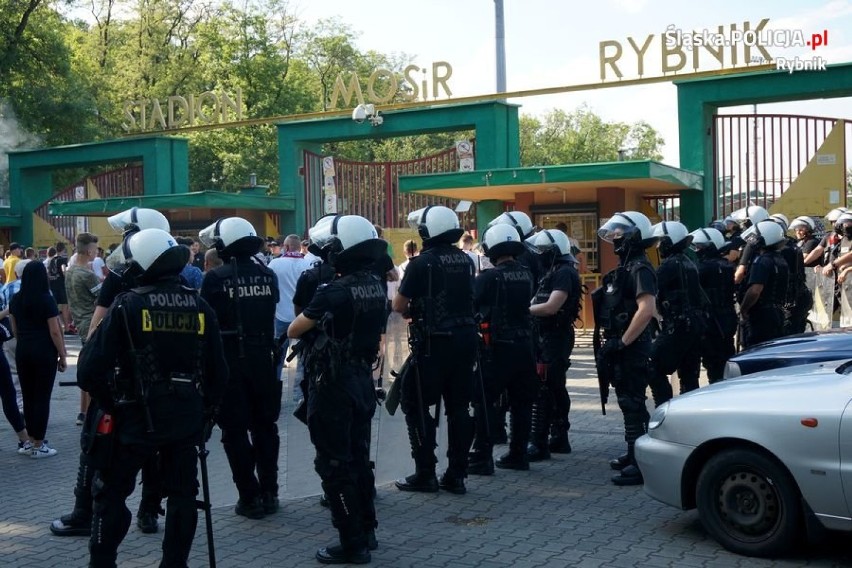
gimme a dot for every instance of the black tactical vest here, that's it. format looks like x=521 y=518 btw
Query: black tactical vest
x=618 y=304
x=775 y=290
x=680 y=293
x=717 y=280
x=570 y=310
x=510 y=317
x=249 y=296
x=449 y=300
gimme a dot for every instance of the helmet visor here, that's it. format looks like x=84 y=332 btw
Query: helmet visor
x=415 y=218
x=120 y=221
x=209 y=236
x=324 y=232
x=617 y=226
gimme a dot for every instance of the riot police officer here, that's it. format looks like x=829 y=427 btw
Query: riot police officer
x=243 y=292
x=624 y=306
x=350 y=312
x=804 y=228
x=761 y=309
x=502 y=301
x=437 y=293
x=716 y=276
x=556 y=306
x=165 y=341
x=521 y=222
x=680 y=302
x=799 y=300
x=747 y=217
x=78 y=522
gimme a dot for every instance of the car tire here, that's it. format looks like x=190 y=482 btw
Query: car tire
x=749 y=503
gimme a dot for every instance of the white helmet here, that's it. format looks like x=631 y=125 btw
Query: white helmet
x=154 y=253
x=708 y=237
x=628 y=231
x=345 y=238
x=764 y=234
x=670 y=235
x=753 y=213
x=517 y=219
x=231 y=236
x=803 y=222
x=501 y=240
x=139 y=218
x=781 y=219
x=436 y=221
x=832 y=215
x=550 y=240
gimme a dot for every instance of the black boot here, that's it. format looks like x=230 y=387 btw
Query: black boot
x=634 y=426
x=146 y=521
x=79 y=521
x=620 y=462
x=481 y=462
x=76 y=523
x=538 y=449
x=558 y=442
x=422 y=481
x=514 y=459
x=453 y=482
x=250 y=508
x=337 y=555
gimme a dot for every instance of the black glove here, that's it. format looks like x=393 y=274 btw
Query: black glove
x=611 y=347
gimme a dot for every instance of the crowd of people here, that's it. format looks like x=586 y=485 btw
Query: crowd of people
x=176 y=338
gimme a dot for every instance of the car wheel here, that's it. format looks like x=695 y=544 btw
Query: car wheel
x=749 y=503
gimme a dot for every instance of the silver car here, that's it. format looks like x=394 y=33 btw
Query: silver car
x=759 y=456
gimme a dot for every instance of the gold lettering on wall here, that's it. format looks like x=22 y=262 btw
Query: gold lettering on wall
x=190 y=110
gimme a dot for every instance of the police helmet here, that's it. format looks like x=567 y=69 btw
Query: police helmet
x=154 y=254
x=231 y=236
x=501 y=240
x=347 y=240
x=137 y=218
x=751 y=215
x=627 y=231
x=517 y=219
x=803 y=222
x=764 y=234
x=781 y=219
x=550 y=241
x=672 y=236
x=436 y=222
x=719 y=225
x=832 y=215
x=707 y=239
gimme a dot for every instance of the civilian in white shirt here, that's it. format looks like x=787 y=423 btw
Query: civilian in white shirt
x=287 y=267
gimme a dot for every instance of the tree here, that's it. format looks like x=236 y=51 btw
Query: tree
x=582 y=136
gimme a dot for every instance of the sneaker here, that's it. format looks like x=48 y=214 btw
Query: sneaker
x=25 y=448
x=80 y=419
x=44 y=451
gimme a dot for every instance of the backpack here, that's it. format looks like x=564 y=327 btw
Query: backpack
x=53 y=270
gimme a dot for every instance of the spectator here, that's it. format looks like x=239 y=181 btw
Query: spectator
x=287 y=268
x=211 y=259
x=197 y=256
x=6 y=294
x=40 y=351
x=410 y=251
x=15 y=253
x=98 y=264
x=309 y=256
x=191 y=274
x=466 y=244
x=29 y=253
x=82 y=286
x=56 y=267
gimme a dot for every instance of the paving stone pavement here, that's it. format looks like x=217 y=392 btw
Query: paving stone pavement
x=563 y=512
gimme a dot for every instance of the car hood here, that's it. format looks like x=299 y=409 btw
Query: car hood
x=802 y=377
x=801 y=346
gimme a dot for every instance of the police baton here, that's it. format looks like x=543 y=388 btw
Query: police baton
x=205 y=505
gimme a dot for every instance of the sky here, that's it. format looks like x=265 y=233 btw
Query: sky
x=552 y=43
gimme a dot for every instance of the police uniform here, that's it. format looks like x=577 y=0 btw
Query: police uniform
x=439 y=283
x=555 y=342
x=621 y=289
x=716 y=276
x=502 y=298
x=342 y=399
x=243 y=293
x=799 y=300
x=765 y=319
x=676 y=347
x=181 y=372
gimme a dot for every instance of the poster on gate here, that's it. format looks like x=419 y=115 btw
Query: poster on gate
x=846 y=303
x=823 y=310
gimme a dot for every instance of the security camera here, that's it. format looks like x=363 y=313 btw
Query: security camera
x=360 y=114
x=376 y=119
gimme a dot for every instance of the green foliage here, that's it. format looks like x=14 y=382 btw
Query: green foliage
x=67 y=81
x=581 y=136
